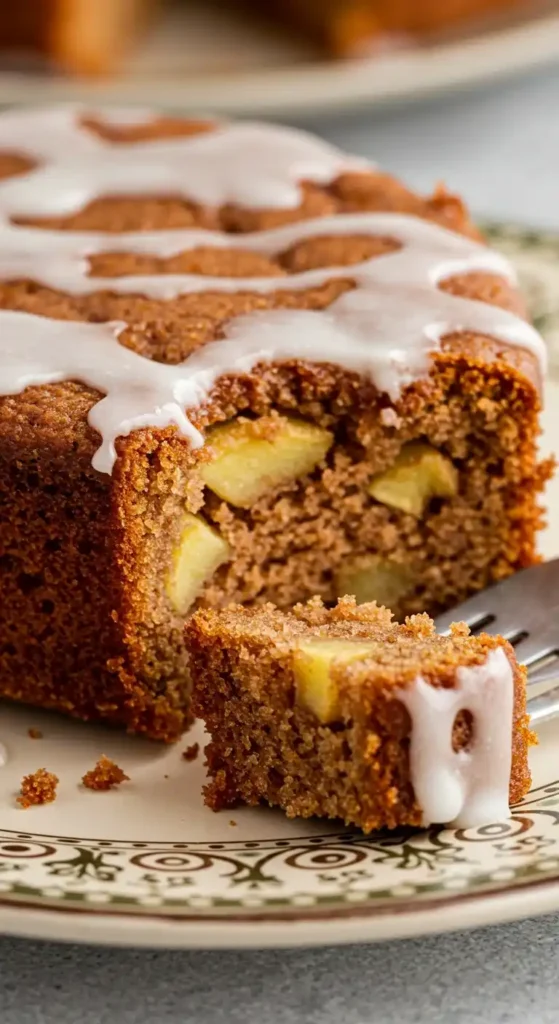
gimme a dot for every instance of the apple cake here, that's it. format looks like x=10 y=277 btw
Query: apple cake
x=90 y=37
x=239 y=366
x=352 y=28
x=341 y=713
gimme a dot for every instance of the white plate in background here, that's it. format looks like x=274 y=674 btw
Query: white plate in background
x=199 y=59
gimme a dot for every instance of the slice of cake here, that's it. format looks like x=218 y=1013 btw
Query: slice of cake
x=239 y=366
x=341 y=713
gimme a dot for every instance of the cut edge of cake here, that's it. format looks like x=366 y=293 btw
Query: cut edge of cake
x=342 y=713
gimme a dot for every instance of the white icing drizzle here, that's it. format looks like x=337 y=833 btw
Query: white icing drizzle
x=428 y=256
x=256 y=165
x=384 y=328
x=468 y=788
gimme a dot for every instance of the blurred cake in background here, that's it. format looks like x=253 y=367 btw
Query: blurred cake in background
x=88 y=37
x=79 y=36
x=348 y=28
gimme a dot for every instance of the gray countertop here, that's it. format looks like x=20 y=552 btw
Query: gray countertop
x=506 y=975
x=501 y=150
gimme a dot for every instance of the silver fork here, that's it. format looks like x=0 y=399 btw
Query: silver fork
x=525 y=609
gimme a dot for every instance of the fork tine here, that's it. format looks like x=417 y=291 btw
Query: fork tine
x=473 y=611
x=525 y=608
x=544 y=707
x=537 y=646
x=526 y=602
x=548 y=673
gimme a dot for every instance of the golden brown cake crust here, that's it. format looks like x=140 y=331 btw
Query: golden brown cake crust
x=81 y=550
x=266 y=747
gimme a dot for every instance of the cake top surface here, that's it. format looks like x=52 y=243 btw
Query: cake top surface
x=294 y=251
x=397 y=654
x=255 y=165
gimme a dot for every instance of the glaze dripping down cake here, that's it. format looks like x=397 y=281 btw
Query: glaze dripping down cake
x=239 y=366
x=342 y=713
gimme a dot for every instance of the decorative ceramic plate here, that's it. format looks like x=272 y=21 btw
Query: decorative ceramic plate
x=201 y=57
x=148 y=864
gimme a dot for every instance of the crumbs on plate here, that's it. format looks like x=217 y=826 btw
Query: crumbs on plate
x=105 y=775
x=37 y=788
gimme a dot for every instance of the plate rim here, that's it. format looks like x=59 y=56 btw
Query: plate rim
x=102 y=927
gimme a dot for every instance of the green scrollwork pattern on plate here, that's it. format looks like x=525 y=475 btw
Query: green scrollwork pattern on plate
x=328 y=871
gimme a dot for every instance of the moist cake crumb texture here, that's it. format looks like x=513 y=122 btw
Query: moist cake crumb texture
x=37 y=788
x=104 y=775
x=238 y=365
x=403 y=738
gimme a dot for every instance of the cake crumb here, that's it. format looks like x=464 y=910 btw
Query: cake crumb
x=104 y=775
x=34 y=734
x=232 y=822
x=389 y=417
x=37 y=788
x=458 y=629
x=191 y=753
